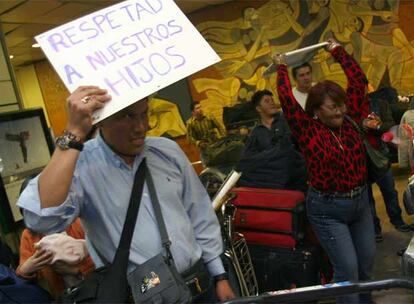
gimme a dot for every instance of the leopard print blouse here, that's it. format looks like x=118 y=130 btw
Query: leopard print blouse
x=331 y=168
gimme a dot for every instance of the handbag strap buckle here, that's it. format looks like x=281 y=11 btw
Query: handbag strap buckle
x=167 y=246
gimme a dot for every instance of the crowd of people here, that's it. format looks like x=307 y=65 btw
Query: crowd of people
x=312 y=146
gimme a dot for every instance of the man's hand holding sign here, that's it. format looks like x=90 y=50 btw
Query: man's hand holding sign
x=81 y=105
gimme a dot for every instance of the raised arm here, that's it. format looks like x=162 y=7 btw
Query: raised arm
x=292 y=110
x=55 y=180
x=357 y=98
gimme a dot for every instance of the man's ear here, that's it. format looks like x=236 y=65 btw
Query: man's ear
x=258 y=109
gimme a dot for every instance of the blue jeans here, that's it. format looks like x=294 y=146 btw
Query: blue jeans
x=344 y=229
x=387 y=187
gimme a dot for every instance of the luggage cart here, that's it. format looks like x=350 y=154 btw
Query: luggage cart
x=313 y=293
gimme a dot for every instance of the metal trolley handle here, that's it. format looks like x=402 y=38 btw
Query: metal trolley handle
x=318 y=292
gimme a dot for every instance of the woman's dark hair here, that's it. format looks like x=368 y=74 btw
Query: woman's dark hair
x=320 y=91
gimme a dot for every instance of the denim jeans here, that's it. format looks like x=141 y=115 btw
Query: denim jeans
x=344 y=229
x=387 y=187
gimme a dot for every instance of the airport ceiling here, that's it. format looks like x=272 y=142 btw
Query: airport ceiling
x=22 y=20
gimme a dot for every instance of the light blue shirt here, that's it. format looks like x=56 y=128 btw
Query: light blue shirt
x=100 y=193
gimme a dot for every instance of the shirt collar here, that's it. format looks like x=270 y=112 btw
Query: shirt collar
x=260 y=124
x=118 y=160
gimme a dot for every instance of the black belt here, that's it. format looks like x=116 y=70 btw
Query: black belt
x=356 y=192
x=197 y=278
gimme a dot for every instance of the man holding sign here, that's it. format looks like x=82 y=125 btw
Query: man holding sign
x=95 y=185
x=131 y=49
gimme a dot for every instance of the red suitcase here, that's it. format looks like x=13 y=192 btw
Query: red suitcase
x=270 y=217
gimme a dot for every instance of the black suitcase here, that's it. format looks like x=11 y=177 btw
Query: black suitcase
x=241 y=114
x=279 y=268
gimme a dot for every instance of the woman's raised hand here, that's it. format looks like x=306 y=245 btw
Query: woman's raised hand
x=279 y=59
x=332 y=44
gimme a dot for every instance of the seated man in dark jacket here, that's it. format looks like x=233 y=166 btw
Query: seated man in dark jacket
x=270 y=159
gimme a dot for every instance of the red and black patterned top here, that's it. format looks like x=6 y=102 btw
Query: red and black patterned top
x=330 y=168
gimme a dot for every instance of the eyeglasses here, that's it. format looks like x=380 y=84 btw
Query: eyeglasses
x=341 y=108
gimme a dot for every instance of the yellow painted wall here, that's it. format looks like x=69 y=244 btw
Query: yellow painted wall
x=30 y=89
x=245 y=34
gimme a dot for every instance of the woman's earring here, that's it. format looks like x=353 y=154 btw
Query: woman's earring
x=315 y=116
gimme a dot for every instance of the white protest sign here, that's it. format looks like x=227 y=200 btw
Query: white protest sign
x=132 y=49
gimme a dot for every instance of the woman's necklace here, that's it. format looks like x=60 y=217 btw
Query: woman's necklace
x=338 y=140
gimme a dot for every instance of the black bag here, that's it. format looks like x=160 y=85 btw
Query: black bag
x=280 y=268
x=241 y=114
x=157 y=280
x=109 y=284
x=226 y=151
x=377 y=163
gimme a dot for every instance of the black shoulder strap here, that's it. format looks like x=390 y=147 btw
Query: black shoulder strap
x=131 y=217
x=354 y=124
x=141 y=175
x=133 y=208
x=158 y=214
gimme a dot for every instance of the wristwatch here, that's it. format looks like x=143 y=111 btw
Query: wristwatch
x=69 y=140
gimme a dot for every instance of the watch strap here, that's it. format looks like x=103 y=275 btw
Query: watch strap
x=68 y=140
x=75 y=145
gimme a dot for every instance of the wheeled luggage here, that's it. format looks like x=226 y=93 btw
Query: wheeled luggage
x=270 y=217
x=284 y=268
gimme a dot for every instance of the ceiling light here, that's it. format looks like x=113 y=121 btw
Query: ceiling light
x=11 y=56
x=35 y=45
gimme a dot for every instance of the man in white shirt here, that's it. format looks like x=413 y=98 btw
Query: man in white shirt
x=303 y=77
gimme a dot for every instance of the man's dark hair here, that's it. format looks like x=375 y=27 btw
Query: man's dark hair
x=303 y=65
x=193 y=105
x=257 y=97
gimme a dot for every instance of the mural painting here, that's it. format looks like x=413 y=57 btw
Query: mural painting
x=164 y=119
x=246 y=37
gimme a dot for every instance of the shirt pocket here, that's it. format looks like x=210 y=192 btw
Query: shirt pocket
x=169 y=188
